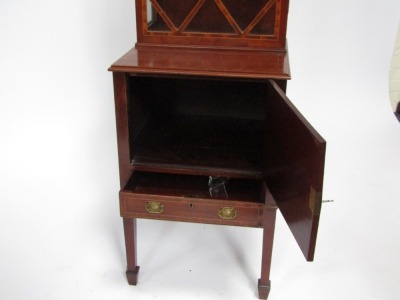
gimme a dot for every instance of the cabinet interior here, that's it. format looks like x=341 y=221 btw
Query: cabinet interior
x=197 y=126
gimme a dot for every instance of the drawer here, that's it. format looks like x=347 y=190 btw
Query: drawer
x=187 y=199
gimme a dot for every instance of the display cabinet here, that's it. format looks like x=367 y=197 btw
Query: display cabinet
x=258 y=24
x=206 y=133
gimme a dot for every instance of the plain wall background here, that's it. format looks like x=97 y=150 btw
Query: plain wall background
x=61 y=236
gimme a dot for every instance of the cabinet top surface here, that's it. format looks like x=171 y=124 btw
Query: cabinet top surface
x=204 y=62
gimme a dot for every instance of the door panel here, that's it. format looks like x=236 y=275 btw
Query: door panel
x=294 y=167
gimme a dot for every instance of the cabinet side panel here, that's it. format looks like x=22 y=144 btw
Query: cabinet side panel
x=121 y=114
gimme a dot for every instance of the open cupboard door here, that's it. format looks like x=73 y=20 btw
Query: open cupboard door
x=294 y=167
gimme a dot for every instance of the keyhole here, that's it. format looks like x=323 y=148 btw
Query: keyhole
x=190 y=205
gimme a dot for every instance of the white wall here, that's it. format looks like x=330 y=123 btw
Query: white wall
x=60 y=233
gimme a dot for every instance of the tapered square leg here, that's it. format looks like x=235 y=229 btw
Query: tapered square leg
x=133 y=276
x=132 y=272
x=264 y=283
x=263 y=289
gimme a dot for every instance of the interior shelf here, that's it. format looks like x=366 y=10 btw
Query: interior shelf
x=196 y=187
x=202 y=145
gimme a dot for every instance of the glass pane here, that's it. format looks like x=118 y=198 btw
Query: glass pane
x=210 y=19
x=266 y=26
x=174 y=12
x=154 y=21
x=244 y=12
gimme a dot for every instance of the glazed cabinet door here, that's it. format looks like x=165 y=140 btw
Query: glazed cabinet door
x=294 y=167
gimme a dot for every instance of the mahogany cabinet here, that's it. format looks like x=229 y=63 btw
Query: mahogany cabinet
x=205 y=131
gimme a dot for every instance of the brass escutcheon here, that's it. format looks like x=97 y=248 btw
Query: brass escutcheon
x=154 y=207
x=227 y=213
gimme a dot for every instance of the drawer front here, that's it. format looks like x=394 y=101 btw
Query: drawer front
x=191 y=210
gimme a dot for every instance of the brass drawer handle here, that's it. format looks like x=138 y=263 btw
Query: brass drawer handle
x=154 y=207
x=227 y=213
